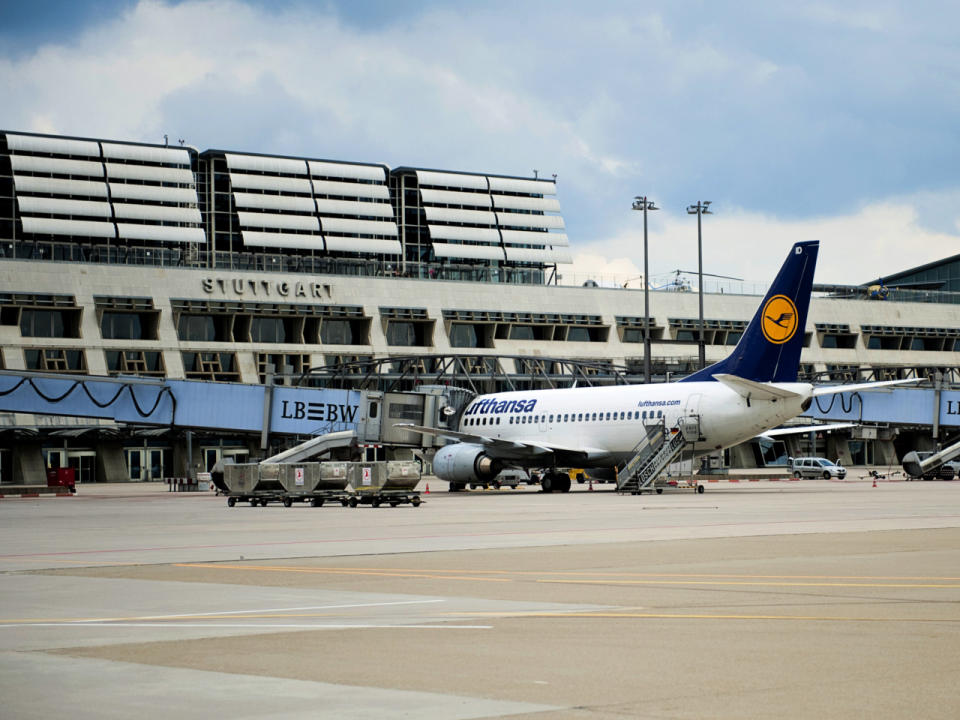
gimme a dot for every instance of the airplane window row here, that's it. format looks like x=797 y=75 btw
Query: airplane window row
x=570 y=417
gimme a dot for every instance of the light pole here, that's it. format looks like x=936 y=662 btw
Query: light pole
x=701 y=208
x=644 y=203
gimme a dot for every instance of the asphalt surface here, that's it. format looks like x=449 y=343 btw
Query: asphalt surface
x=791 y=599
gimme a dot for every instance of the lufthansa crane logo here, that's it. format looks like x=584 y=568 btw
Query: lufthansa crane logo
x=779 y=319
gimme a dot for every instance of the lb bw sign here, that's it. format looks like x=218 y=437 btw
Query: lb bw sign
x=314 y=412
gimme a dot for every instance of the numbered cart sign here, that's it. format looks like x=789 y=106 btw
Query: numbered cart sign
x=298 y=475
x=367 y=476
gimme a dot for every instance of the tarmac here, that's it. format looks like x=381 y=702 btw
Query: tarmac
x=802 y=599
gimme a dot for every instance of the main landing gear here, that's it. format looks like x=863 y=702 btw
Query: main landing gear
x=555 y=482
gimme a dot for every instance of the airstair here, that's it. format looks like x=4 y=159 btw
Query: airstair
x=315 y=446
x=926 y=464
x=655 y=451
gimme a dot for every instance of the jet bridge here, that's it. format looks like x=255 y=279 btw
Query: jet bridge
x=328 y=419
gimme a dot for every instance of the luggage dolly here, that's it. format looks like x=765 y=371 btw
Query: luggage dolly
x=391 y=497
x=254 y=499
x=319 y=498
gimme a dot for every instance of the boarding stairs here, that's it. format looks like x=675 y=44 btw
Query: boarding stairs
x=314 y=446
x=655 y=451
x=915 y=467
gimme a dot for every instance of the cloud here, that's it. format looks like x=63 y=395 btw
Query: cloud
x=878 y=239
x=799 y=122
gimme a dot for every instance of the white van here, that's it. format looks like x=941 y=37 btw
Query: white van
x=817 y=467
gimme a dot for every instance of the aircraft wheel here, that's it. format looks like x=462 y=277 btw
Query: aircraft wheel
x=231 y=501
x=701 y=489
x=563 y=485
x=546 y=483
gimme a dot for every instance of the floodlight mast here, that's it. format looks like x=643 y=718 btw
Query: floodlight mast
x=642 y=202
x=701 y=208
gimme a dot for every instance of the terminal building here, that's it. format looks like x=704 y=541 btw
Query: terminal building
x=130 y=259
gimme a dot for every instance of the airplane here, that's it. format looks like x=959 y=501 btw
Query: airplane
x=751 y=391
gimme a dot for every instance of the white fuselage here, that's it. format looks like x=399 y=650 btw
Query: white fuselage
x=607 y=422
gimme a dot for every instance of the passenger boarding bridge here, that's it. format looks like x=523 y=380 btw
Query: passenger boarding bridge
x=279 y=415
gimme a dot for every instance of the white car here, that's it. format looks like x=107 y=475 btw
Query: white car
x=817 y=467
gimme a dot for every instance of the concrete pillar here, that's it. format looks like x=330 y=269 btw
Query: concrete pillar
x=111 y=465
x=837 y=448
x=29 y=467
x=884 y=453
x=743 y=456
x=180 y=458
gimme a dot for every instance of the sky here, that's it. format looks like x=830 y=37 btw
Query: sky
x=835 y=121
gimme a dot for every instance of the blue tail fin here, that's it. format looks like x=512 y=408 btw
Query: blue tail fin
x=769 y=350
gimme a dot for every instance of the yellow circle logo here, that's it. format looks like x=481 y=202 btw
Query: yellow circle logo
x=779 y=319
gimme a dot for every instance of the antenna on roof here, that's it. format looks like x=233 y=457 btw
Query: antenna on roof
x=181 y=141
x=535 y=172
x=166 y=140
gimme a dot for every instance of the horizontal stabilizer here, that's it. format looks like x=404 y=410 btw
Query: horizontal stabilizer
x=834 y=389
x=800 y=429
x=753 y=390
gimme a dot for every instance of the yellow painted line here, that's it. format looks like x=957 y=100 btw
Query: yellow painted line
x=749 y=583
x=337 y=571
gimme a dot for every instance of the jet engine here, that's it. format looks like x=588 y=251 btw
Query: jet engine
x=464 y=463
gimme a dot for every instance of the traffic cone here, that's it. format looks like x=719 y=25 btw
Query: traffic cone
x=591 y=485
x=874 y=482
x=427 y=491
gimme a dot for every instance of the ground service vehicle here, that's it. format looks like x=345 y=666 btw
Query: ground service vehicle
x=947 y=471
x=817 y=467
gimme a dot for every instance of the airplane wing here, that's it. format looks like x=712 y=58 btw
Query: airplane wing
x=834 y=389
x=753 y=390
x=510 y=449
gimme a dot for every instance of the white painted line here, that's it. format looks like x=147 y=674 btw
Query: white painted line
x=93 y=621
x=308 y=626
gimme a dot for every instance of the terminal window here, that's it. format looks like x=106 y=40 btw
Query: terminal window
x=418 y=334
x=205 y=328
x=50 y=323
x=270 y=330
x=55 y=360
x=135 y=362
x=129 y=326
x=344 y=332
